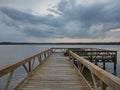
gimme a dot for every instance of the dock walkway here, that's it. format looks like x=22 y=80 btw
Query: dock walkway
x=51 y=70
x=55 y=73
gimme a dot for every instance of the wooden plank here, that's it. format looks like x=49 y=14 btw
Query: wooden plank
x=56 y=73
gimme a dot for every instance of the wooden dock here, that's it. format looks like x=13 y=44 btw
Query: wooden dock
x=54 y=71
x=96 y=55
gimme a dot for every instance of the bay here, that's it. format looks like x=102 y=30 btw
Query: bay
x=13 y=53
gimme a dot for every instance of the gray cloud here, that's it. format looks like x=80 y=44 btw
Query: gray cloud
x=25 y=17
x=106 y=14
x=73 y=20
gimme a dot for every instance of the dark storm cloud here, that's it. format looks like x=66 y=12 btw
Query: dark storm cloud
x=105 y=14
x=25 y=17
x=73 y=20
x=41 y=32
x=91 y=14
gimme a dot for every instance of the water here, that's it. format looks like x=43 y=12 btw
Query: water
x=12 y=53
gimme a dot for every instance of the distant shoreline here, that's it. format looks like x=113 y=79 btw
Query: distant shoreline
x=86 y=43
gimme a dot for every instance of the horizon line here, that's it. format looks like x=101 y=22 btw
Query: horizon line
x=60 y=43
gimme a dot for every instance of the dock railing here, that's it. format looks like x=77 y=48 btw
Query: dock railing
x=106 y=79
x=28 y=64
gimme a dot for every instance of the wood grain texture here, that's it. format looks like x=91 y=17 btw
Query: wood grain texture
x=56 y=73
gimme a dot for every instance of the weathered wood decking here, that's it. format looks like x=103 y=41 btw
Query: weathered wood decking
x=56 y=73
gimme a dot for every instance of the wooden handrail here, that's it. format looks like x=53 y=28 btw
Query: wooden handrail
x=11 y=67
x=30 y=60
x=103 y=75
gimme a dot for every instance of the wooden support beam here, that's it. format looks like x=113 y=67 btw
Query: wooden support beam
x=103 y=86
x=44 y=55
x=9 y=80
x=82 y=68
x=33 y=62
x=104 y=67
x=29 y=66
x=5 y=70
x=94 y=81
x=25 y=68
x=101 y=74
x=39 y=58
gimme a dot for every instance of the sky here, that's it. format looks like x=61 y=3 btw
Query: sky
x=59 y=21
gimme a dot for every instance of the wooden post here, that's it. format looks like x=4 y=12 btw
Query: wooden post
x=94 y=81
x=51 y=50
x=115 y=62
x=39 y=58
x=29 y=65
x=82 y=68
x=95 y=62
x=70 y=57
x=91 y=58
x=44 y=55
x=78 y=64
x=103 y=86
x=25 y=68
x=8 y=81
x=32 y=66
x=104 y=65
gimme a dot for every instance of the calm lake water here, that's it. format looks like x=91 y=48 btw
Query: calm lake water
x=13 y=53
